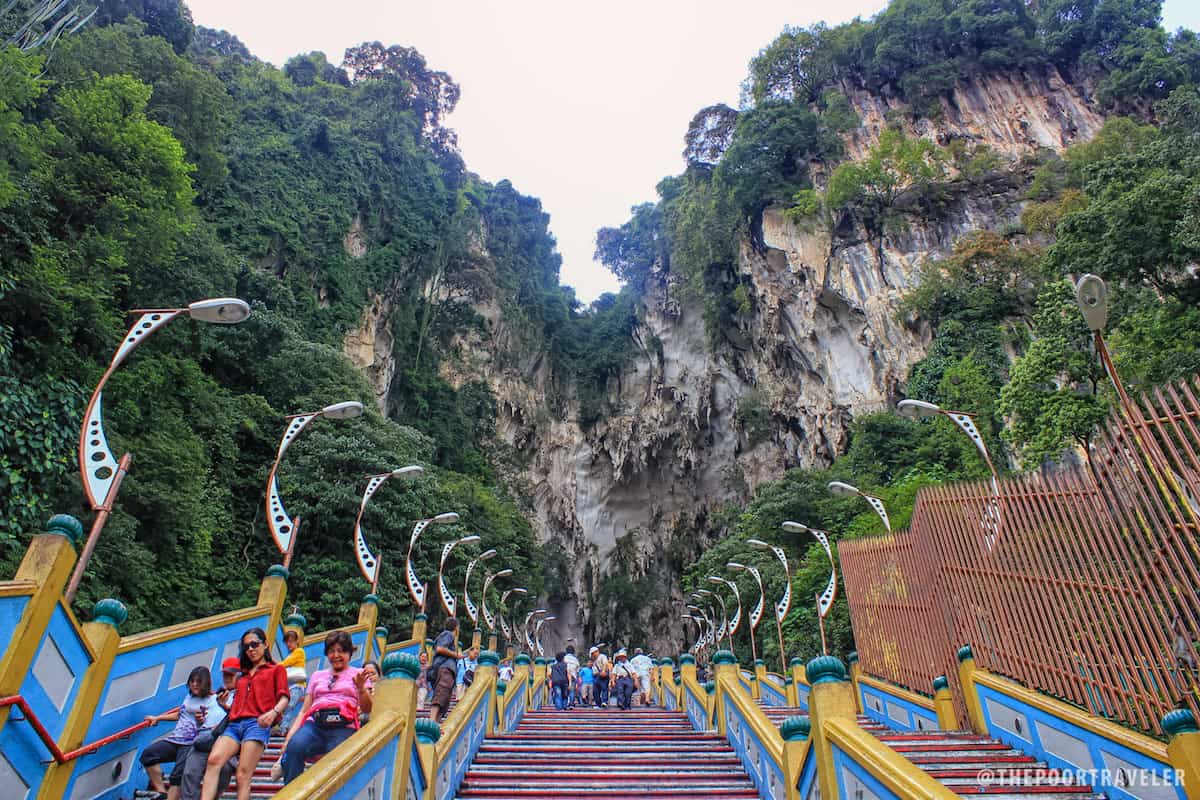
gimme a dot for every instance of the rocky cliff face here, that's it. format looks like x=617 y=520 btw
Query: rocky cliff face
x=821 y=345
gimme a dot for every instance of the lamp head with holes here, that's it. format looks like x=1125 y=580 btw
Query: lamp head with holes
x=504 y=573
x=220 y=310
x=448 y=518
x=795 y=527
x=486 y=554
x=734 y=565
x=716 y=579
x=1092 y=297
x=759 y=543
x=474 y=537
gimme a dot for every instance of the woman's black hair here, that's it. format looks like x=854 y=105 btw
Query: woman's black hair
x=339 y=639
x=375 y=664
x=247 y=664
x=204 y=676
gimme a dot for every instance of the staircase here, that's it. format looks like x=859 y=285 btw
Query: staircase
x=645 y=753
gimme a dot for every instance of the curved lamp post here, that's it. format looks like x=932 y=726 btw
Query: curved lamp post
x=489 y=618
x=472 y=611
x=529 y=618
x=99 y=471
x=846 y=490
x=707 y=636
x=282 y=526
x=785 y=602
x=368 y=562
x=965 y=422
x=825 y=598
x=448 y=601
x=736 y=619
x=537 y=633
x=509 y=633
x=723 y=628
x=756 y=612
x=695 y=648
x=415 y=587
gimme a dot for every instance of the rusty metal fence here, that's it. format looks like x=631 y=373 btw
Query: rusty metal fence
x=1082 y=583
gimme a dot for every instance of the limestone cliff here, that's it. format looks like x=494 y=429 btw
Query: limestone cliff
x=821 y=344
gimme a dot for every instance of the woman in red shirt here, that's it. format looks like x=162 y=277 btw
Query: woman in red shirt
x=258 y=704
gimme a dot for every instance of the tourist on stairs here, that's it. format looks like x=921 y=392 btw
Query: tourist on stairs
x=642 y=665
x=603 y=676
x=297 y=677
x=199 y=710
x=587 y=677
x=560 y=677
x=572 y=676
x=262 y=696
x=443 y=669
x=622 y=679
x=332 y=704
x=197 y=759
x=423 y=678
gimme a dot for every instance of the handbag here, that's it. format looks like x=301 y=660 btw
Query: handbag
x=205 y=738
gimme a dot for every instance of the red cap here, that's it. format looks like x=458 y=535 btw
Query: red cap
x=231 y=664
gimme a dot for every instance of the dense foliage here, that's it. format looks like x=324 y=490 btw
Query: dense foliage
x=145 y=165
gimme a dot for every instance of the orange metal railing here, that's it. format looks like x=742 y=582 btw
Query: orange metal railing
x=1082 y=582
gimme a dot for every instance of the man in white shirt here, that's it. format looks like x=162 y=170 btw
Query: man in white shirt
x=642 y=665
x=602 y=670
x=572 y=675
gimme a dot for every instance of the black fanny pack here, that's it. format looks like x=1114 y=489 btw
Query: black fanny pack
x=331 y=718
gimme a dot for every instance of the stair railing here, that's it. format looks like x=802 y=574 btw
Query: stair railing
x=463 y=732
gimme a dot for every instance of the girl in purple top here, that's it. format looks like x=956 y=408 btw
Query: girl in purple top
x=335 y=698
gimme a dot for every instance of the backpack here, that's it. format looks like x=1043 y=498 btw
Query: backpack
x=558 y=672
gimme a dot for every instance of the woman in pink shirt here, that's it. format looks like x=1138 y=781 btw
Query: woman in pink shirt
x=335 y=698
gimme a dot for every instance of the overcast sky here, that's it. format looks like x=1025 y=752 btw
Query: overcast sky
x=583 y=106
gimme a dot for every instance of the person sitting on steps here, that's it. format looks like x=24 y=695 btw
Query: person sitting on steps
x=335 y=698
x=199 y=710
x=297 y=677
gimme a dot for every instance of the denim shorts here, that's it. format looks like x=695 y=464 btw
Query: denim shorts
x=247 y=730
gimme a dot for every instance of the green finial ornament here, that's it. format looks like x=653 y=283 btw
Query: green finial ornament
x=759 y=662
x=687 y=658
x=710 y=687
x=401 y=665
x=940 y=682
x=825 y=669
x=488 y=658
x=381 y=631
x=278 y=571
x=724 y=657
x=110 y=612
x=678 y=680
x=964 y=653
x=539 y=661
x=501 y=687
x=1179 y=720
x=666 y=662
x=796 y=661
x=296 y=621
x=852 y=657
x=788 y=681
x=795 y=729
x=65 y=525
x=428 y=731
x=371 y=598
x=422 y=617
x=523 y=658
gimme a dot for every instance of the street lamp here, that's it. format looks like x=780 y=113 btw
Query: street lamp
x=699 y=629
x=99 y=471
x=537 y=633
x=846 y=490
x=535 y=613
x=825 y=598
x=283 y=527
x=785 y=602
x=415 y=588
x=368 y=563
x=509 y=634
x=964 y=421
x=448 y=601
x=737 y=611
x=1091 y=295
x=708 y=636
x=756 y=612
x=723 y=628
x=489 y=619
x=472 y=612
